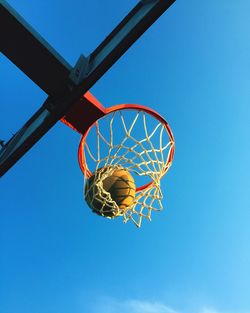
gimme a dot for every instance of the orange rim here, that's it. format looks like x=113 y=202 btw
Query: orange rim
x=81 y=156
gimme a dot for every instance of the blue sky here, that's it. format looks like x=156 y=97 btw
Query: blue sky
x=192 y=66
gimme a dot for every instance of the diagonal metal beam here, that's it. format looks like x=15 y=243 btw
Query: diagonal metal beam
x=140 y=18
x=20 y=43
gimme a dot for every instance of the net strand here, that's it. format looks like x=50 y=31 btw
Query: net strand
x=143 y=161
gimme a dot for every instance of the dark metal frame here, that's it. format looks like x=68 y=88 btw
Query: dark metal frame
x=64 y=85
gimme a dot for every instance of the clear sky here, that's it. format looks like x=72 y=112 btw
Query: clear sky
x=192 y=66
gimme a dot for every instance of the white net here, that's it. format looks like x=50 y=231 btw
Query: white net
x=133 y=140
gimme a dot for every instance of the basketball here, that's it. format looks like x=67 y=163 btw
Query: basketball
x=102 y=190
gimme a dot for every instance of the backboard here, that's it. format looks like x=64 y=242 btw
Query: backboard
x=66 y=86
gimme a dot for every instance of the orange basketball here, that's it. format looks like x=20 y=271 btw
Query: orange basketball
x=121 y=187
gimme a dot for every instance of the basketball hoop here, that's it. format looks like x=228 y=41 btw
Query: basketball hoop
x=137 y=139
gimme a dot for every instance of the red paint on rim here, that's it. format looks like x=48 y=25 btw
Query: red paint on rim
x=81 y=157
